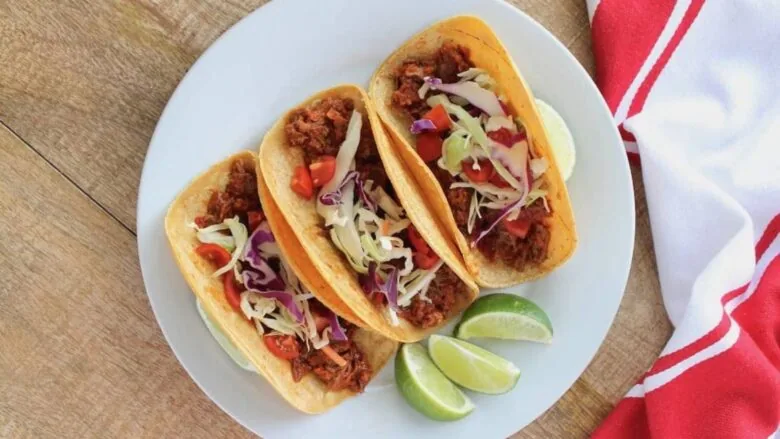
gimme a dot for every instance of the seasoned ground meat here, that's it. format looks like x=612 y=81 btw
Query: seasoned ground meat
x=441 y=297
x=444 y=178
x=514 y=251
x=535 y=212
x=367 y=160
x=446 y=63
x=238 y=198
x=460 y=200
x=299 y=368
x=320 y=128
x=409 y=80
x=452 y=59
x=353 y=376
x=367 y=151
x=373 y=171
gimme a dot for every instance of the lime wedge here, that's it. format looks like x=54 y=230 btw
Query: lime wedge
x=223 y=341
x=427 y=389
x=561 y=140
x=471 y=366
x=505 y=316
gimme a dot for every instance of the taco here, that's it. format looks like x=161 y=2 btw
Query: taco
x=371 y=238
x=466 y=126
x=232 y=250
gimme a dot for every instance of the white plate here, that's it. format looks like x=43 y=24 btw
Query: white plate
x=289 y=49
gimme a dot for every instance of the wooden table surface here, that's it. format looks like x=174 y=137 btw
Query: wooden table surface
x=82 y=84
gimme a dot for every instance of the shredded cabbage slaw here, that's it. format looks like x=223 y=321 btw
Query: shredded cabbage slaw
x=513 y=160
x=273 y=300
x=363 y=224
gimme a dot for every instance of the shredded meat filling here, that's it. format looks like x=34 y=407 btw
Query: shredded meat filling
x=410 y=78
x=518 y=252
x=445 y=64
x=460 y=201
x=452 y=59
x=321 y=128
x=440 y=300
x=238 y=198
x=353 y=376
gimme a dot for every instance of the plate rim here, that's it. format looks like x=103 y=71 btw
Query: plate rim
x=235 y=28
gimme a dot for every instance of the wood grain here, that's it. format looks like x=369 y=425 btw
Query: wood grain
x=83 y=83
x=81 y=353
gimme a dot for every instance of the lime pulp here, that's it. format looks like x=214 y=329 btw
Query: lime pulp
x=505 y=316
x=471 y=366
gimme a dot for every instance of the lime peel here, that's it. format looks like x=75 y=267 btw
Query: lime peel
x=426 y=388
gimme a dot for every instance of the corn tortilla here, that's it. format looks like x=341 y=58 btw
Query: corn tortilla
x=278 y=160
x=309 y=395
x=487 y=53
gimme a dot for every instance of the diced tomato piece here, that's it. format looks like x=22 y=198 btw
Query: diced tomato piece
x=480 y=175
x=232 y=291
x=322 y=170
x=498 y=180
x=417 y=240
x=424 y=257
x=425 y=260
x=501 y=135
x=429 y=146
x=255 y=217
x=301 y=182
x=214 y=253
x=286 y=347
x=220 y=257
x=438 y=115
x=518 y=227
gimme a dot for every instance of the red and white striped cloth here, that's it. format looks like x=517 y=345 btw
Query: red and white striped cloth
x=694 y=86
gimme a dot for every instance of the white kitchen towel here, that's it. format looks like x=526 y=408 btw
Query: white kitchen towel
x=694 y=86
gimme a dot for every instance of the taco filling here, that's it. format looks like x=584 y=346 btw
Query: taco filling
x=480 y=154
x=259 y=285
x=396 y=267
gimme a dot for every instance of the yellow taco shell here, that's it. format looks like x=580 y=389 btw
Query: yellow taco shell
x=278 y=159
x=487 y=53
x=309 y=395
